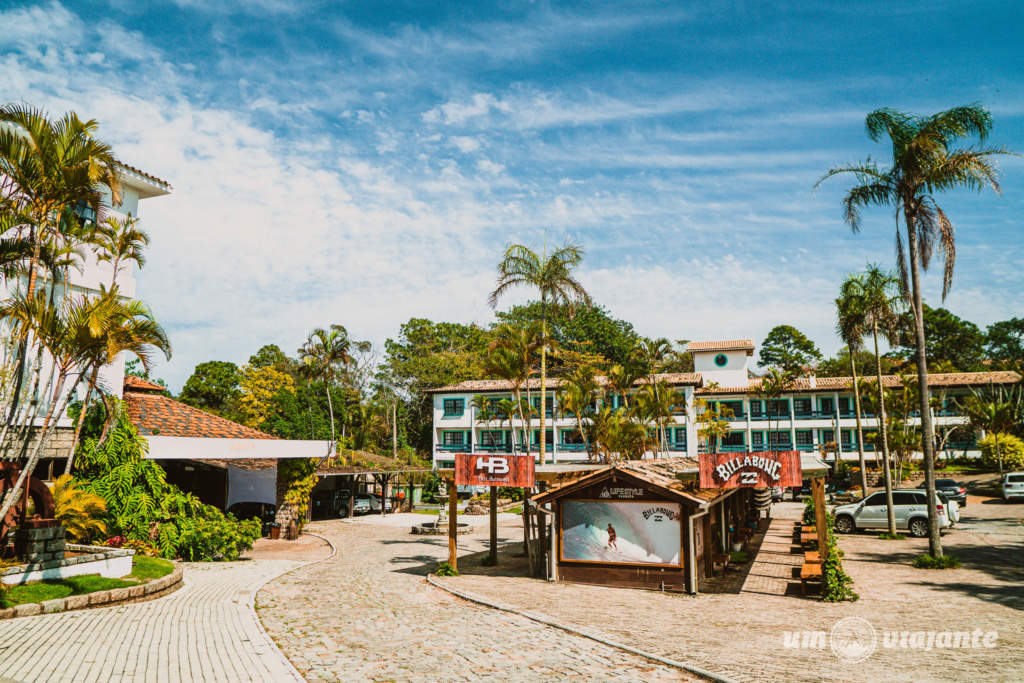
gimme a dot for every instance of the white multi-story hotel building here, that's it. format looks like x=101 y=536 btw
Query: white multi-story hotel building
x=813 y=414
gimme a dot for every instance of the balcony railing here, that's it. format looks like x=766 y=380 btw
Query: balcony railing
x=453 y=448
x=493 y=448
x=805 y=446
x=738 y=417
x=677 y=446
x=760 y=416
x=572 y=447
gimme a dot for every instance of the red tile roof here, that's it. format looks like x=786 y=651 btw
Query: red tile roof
x=156 y=415
x=148 y=176
x=723 y=345
x=938 y=379
x=133 y=383
x=485 y=385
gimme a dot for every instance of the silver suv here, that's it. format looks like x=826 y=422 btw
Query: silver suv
x=908 y=506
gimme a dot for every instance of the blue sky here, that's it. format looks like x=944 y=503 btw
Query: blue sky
x=362 y=164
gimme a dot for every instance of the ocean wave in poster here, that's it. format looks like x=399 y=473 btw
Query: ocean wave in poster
x=639 y=540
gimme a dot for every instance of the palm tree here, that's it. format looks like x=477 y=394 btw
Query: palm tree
x=61 y=331
x=117 y=241
x=992 y=414
x=775 y=382
x=576 y=398
x=621 y=379
x=511 y=355
x=924 y=161
x=553 y=278
x=326 y=354
x=505 y=410
x=131 y=329
x=850 y=322
x=48 y=169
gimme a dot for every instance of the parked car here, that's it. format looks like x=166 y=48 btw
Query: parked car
x=1013 y=486
x=264 y=512
x=776 y=494
x=909 y=507
x=951 y=490
x=330 y=504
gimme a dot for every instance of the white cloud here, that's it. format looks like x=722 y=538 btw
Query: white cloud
x=489 y=167
x=465 y=144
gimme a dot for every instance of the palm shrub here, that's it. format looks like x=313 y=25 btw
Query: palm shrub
x=80 y=512
x=142 y=506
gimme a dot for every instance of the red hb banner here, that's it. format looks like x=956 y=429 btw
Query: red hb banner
x=493 y=469
x=760 y=469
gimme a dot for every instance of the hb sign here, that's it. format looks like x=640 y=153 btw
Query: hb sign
x=493 y=469
x=760 y=469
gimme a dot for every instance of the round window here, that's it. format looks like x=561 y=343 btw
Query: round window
x=721 y=360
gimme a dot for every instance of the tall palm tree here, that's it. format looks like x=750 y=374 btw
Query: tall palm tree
x=118 y=241
x=131 y=329
x=552 y=276
x=326 y=355
x=925 y=161
x=850 y=322
x=509 y=364
x=576 y=398
x=621 y=379
x=775 y=382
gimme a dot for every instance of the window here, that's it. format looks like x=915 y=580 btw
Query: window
x=571 y=436
x=454 y=407
x=757 y=439
x=778 y=438
x=900 y=498
x=453 y=438
x=802 y=406
x=875 y=499
x=804 y=438
x=733 y=439
x=681 y=435
x=846 y=436
x=826 y=406
x=549 y=436
x=845 y=405
x=755 y=408
x=721 y=360
x=778 y=408
x=735 y=406
x=828 y=436
x=491 y=438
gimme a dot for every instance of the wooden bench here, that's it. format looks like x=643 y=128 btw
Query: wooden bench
x=808 y=530
x=812 y=557
x=808 y=538
x=809 y=572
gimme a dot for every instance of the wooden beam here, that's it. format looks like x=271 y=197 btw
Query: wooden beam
x=818 y=493
x=453 y=525
x=494 y=525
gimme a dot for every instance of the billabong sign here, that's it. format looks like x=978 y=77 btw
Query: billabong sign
x=760 y=469
x=493 y=469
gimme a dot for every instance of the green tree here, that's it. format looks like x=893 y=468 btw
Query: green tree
x=992 y=413
x=326 y=356
x=851 y=323
x=1004 y=341
x=118 y=241
x=788 y=349
x=925 y=161
x=577 y=396
x=213 y=385
x=554 y=279
x=952 y=344
x=258 y=389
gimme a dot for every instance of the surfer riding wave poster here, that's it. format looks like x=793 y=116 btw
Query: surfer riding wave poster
x=632 y=532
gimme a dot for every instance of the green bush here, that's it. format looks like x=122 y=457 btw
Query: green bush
x=148 y=511
x=1005 y=446
x=445 y=569
x=837 y=585
x=809 y=518
x=886 y=536
x=928 y=562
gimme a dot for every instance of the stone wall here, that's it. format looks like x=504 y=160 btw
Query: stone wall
x=286 y=512
x=57 y=447
x=37 y=546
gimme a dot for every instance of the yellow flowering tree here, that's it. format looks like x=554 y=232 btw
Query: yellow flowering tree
x=258 y=388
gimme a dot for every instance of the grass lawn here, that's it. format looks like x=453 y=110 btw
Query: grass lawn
x=143 y=569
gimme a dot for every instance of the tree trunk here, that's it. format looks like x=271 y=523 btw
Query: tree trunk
x=860 y=431
x=927 y=435
x=330 y=409
x=494 y=526
x=543 y=375
x=884 y=430
x=81 y=418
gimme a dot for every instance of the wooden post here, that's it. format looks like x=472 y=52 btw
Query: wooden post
x=818 y=492
x=453 y=528
x=352 y=496
x=494 y=525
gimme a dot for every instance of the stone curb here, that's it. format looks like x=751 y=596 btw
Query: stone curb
x=547 y=621
x=157 y=588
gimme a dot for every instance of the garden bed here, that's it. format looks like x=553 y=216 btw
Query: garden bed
x=150 y=578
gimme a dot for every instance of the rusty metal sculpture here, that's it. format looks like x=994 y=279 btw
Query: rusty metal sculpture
x=35 y=491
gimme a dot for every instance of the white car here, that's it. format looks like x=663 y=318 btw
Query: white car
x=909 y=508
x=1013 y=486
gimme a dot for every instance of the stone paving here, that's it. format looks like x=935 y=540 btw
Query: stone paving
x=204 y=631
x=743 y=635
x=368 y=614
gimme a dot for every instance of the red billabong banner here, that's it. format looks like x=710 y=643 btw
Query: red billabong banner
x=493 y=469
x=760 y=469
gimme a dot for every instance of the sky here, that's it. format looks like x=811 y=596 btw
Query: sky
x=363 y=163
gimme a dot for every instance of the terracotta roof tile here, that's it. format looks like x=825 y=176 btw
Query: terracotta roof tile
x=940 y=379
x=133 y=383
x=723 y=345
x=485 y=385
x=148 y=176
x=156 y=415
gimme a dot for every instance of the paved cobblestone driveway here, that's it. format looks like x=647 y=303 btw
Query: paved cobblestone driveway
x=203 y=632
x=368 y=614
x=742 y=635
